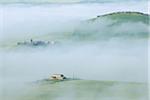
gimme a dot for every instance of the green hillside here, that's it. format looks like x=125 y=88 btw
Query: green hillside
x=114 y=25
x=126 y=16
x=86 y=90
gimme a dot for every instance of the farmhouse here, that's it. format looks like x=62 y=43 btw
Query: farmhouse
x=57 y=77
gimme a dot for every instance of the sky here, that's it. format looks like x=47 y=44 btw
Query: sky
x=62 y=1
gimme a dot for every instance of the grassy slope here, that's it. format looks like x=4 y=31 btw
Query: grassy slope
x=86 y=90
x=125 y=17
x=107 y=25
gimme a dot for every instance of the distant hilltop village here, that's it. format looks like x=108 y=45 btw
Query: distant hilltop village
x=36 y=43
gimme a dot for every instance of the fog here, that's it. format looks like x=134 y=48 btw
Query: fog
x=24 y=21
x=111 y=59
x=127 y=62
x=121 y=61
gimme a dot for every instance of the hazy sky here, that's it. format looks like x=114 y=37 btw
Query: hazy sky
x=63 y=1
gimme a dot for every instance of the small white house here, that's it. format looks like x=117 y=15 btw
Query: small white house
x=57 y=77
